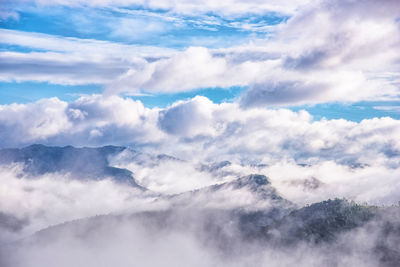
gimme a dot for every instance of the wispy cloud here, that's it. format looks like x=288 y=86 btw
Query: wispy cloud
x=227 y=8
x=80 y=46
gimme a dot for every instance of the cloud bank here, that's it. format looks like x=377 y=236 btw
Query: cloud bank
x=217 y=130
x=207 y=237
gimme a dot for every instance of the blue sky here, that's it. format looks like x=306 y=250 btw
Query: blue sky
x=173 y=31
x=139 y=26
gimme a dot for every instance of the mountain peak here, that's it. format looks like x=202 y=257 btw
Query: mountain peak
x=252 y=180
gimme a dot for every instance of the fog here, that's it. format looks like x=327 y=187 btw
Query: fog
x=373 y=183
x=54 y=198
x=193 y=213
x=186 y=238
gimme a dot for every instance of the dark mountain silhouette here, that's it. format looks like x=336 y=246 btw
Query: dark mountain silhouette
x=81 y=163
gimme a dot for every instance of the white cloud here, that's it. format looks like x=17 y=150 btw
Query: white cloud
x=154 y=239
x=217 y=130
x=327 y=51
x=336 y=51
x=90 y=47
x=88 y=120
x=6 y=15
x=193 y=68
x=188 y=118
x=55 y=198
x=132 y=29
x=68 y=60
x=373 y=184
x=58 y=68
x=323 y=53
x=240 y=133
x=34 y=122
x=191 y=7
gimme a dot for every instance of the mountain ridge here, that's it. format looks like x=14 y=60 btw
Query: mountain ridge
x=83 y=163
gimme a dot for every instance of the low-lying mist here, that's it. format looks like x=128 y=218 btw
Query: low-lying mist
x=187 y=237
x=194 y=213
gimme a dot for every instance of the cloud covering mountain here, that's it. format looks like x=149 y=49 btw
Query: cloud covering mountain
x=153 y=229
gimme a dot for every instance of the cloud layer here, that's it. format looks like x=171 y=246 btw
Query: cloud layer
x=326 y=51
x=218 y=130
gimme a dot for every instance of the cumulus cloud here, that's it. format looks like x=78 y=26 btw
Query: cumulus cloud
x=322 y=54
x=193 y=68
x=187 y=118
x=17 y=121
x=331 y=46
x=88 y=120
x=239 y=133
x=219 y=131
x=330 y=34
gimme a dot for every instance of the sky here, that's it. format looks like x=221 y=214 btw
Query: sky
x=334 y=59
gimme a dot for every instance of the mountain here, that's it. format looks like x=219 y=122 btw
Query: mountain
x=81 y=163
x=235 y=220
x=322 y=221
x=251 y=192
x=334 y=228
x=278 y=222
